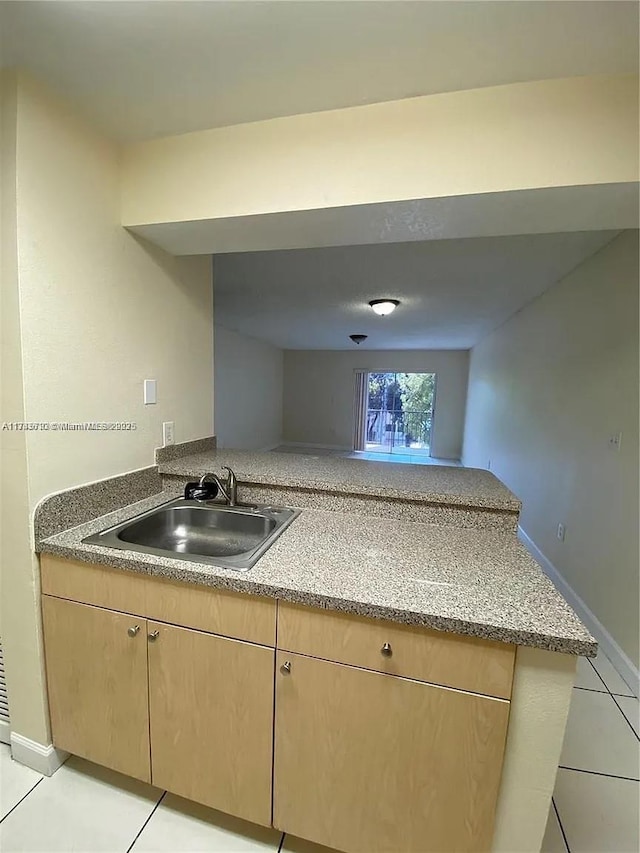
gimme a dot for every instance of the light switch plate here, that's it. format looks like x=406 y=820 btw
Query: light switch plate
x=150 y=392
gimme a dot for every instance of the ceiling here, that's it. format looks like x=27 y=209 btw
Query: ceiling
x=452 y=292
x=146 y=69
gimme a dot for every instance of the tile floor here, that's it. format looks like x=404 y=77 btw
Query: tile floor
x=85 y=808
x=369 y=455
x=596 y=799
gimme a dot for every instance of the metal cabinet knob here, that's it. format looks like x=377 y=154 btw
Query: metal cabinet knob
x=386 y=650
x=153 y=636
x=133 y=630
x=285 y=669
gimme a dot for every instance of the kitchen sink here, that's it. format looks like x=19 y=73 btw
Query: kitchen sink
x=230 y=537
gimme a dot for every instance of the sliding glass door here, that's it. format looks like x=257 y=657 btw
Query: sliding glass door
x=399 y=413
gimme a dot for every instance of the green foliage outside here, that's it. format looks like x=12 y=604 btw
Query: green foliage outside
x=408 y=397
x=417 y=403
x=385 y=392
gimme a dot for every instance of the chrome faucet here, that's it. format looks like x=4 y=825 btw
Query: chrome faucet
x=229 y=488
x=232 y=486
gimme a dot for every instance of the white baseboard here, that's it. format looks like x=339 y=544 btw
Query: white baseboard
x=609 y=646
x=37 y=756
x=5 y=732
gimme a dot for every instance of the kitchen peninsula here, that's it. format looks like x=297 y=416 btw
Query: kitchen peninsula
x=422 y=659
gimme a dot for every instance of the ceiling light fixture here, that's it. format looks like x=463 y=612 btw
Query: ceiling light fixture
x=358 y=339
x=384 y=306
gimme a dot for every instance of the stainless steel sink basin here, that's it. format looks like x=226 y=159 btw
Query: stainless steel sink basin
x=231 y=537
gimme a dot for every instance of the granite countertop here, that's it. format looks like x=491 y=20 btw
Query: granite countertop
x=455 y=486
x=466 y=581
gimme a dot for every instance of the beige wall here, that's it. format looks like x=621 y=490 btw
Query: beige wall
x=319 y=392
x=541 y=134
x=19 y=619
x=248 y=391
x=546 y=391
x=99 y=312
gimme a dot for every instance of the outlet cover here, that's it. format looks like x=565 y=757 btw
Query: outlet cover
x=561 y=532
x=168 y=433
x=615 y=441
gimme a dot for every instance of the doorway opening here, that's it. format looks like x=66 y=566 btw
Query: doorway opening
x=399 y=417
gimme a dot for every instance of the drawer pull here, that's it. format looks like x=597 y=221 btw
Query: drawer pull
x=285 y=669
x=153 y=636
x=133 y=630
x=386 y=650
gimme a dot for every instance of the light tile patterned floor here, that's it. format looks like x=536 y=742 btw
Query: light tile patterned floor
x=596 y=798
x=85 y=808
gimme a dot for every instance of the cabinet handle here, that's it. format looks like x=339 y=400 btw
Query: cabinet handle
x=133 y=630
x=153 y=636
x=285 y=669
x=386 y=650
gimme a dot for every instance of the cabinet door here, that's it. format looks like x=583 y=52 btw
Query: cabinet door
x=211 y=711
x=373 y=763
x=97 y=680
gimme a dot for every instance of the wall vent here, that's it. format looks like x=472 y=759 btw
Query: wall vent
x=5 y=727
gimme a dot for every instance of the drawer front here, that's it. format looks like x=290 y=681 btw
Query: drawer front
x=89 y=583
x=480 y=666
x=231 y=614
x=244 y=617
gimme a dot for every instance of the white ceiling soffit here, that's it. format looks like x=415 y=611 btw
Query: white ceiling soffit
x=541 y=211
x=148 y=69
x=452 y=292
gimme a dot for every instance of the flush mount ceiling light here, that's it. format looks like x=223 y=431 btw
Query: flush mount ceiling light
x=357 y=339
x=384 y=306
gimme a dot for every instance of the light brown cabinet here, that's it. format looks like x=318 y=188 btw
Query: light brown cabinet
x=372 y=763
x=190 y=712
x=97 y=683
x=211 y=714
x=387 y=737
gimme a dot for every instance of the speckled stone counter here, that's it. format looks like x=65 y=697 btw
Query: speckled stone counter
x=433 y=494
x=62 y=510
x=185 y=448
x=476 y=582
x=433 y=483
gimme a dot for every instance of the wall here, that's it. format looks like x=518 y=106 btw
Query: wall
x=576 y=131
x=319 y=393
x=19 y=622
x=248 y=391
x=99 y=311
x=546 y=391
